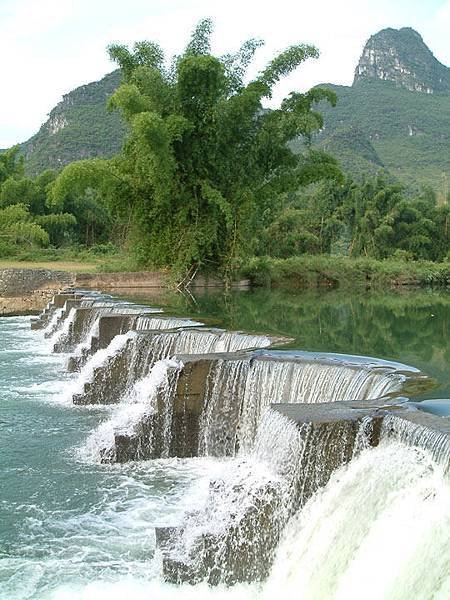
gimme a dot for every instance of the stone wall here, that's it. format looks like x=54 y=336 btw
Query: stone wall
x=18 y=282
x=146 y=279
x=100 y=281
x=27 y=291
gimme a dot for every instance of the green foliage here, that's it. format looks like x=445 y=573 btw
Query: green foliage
x=334 y=271
x=208 y=178
x=203 y=161
x=374 y=218
x=58 y=226
x=29 y=215
x=377 y=125
x=383 y=220
x=17 y=228
x=11 y=164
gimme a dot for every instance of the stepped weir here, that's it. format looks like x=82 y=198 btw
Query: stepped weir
x=280 y=421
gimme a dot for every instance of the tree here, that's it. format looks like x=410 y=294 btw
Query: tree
x=17 y=227
x=203 y=160
x=11 y=163
x=383 y=220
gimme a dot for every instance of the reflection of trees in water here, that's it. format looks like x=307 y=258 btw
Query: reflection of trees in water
x=405 y=325
x=383 y=324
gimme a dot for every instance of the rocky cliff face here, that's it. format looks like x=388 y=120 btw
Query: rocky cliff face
x=395 y=115
x=78 y=127
x=402 y=57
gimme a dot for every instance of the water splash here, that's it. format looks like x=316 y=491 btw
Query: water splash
x=253 y=496
x=138 y=403
x=135 y=361
x=379 y=529
x=96 y=361
x=240 y=390
x=147 y=323
x=52 y=324
x=437 y=443
x=191 y=341
x=62 y=333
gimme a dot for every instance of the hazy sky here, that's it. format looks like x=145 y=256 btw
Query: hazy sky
x=49 y=47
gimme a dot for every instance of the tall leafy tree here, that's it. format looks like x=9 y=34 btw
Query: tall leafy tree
x=204 y=160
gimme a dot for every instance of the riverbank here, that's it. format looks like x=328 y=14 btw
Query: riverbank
x=340 y=271
x=27 y=291
x=25 y=288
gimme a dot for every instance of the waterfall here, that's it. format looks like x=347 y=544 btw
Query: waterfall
x=379 y=529
x=61 y=334
x=191 y=341
x=90 y=331
x=90 y=325
x=86 y=322
x=52 y=324
x=146 y=323
x=138 y=403
x=134 y=361
x=97 y=361
x=436 y=442
x=240 y=390
x=253 y=496
x=129 y=368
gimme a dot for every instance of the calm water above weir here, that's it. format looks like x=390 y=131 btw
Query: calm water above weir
x=72 y=528
x=408 y=326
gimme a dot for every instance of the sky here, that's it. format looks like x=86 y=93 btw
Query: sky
x=49 y=47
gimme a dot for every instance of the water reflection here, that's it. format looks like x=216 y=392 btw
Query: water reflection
x=409 y=326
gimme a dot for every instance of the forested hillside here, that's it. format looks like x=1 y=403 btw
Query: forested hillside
x=396 y=114
x=78 y=127
x=210 y=181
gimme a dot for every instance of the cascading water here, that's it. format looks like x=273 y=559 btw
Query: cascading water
x=90 y=332
x=52 y=324
x=234 y=536
x=90 y=325
x=98 y=360
x=135 y=360
x=60 y=334
x=253 y=496
x=240 y=390
x=146 y=352
x=85 y=324
x=437 y=443
x=379 y=529
x=146 y=323
x=138 y=403
x=191 y=341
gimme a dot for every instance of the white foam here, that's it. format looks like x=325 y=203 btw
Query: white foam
x=379 y=529
x=134 y=406
x=97 y=360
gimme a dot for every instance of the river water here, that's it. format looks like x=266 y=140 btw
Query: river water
x=70 y=528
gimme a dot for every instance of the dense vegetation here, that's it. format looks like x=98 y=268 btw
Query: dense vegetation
x=209 y=180
x=28 y=220
x=377 y=125
x=203 y=162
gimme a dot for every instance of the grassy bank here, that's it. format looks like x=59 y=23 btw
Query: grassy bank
x=337 y=271
x=304 y=271
x=100 y=259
